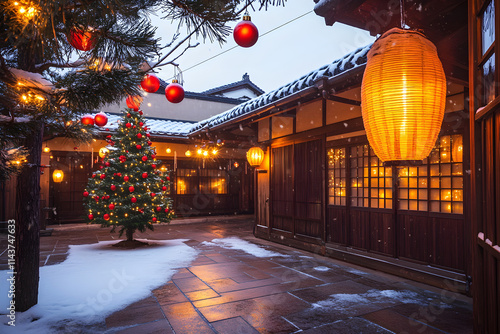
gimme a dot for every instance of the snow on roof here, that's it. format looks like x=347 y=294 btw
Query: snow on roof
x=351 y=60
x=244 y=82
x=163 y=127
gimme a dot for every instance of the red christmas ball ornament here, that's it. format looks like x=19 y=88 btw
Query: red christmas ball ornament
x=144 y=158
x=134 y=102
x=87 y=120
x=128 y=125
x=138 y=146
x=119 y=174
x=150 y=83
x=153 y=165
x=85 y=194
x=103 y=176
x=93 y=175
x=147 y=134
x=144 y=175
x=111 y=206
x=96 y=198
x=82 y=40
x=150 y=143
x=101 y=167
x=107 y=164
x=164 y=188
x=153 y=156
x=131 y=189
x=154 y=219
x=158 y=209
x=112 y=187
x=166 y=210
x=139 y=135
x=168 y=178
x=133 y=199
x=100 y=119
x=174 y=92
x=128 y=115
x=153 y=194
x=126 y=178
x=140 y=112
x=133 y=127
x=246 y=33
x=141 y=124
x=106 y=216
x=108 y=136
x=91 y=217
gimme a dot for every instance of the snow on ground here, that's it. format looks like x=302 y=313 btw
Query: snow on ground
x=247 y=247
x=95 y=281
x=321 y=268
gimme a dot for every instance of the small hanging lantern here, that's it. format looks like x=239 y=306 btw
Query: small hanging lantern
x=150 y=83
x=82 y=40
x=46 y=149
x=255 y=156
x=58 y=175
x=134 y=102
x=403 y=96
x=188 y=153
x=100 y=119
x=168 y=150
x=246 y=33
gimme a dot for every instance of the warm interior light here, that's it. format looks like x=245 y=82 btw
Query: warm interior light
x=58 y=175
x=188 y=153
x=199 y=151
x=46 y=149
x=255 y=156
x=168 y=150
x=403 y=96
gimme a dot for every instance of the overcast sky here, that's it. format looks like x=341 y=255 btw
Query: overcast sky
x=276 y=59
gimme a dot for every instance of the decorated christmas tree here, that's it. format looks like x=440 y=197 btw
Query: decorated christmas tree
x=128 y=191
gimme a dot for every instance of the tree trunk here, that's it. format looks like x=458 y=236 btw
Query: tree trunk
x=130 y=234
x=27 y=233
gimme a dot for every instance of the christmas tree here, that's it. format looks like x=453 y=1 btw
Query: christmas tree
x=128 y=191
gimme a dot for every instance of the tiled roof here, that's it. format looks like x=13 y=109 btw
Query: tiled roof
x=162 y=127
x=352 y=60
x=245 y=82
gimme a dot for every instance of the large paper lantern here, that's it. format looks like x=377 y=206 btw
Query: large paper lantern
x=255 y=156
x=403 y=96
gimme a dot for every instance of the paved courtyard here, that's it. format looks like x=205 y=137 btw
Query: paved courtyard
x=231 y=291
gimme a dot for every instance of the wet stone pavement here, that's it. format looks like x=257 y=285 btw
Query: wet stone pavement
x=230 y=291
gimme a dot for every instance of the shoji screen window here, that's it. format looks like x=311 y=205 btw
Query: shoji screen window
x=336 y=176
x=413 y=188
x=213 y=181
x=380 y=183
x=187 y=181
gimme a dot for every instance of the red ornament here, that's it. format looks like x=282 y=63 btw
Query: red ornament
x=112 y=187
x=87 y=120
x=106 y=216
x=168 y=178
x=133 y=127
x=91 y=217
x=246 y=33
x=119 y=174
x=134 y=102
x=128 y=125
x=128 y=115
x=166 y=210
x=96 y=198
x=150 y=143
x=144 y=158
x=141 y=124
x=154 y=219
x=122 y=158
x=153 y=165
x=108 y=136
x=125 y=178
x=158 y=209
x=93 y=175
x=81 y=40
x=133 y=199
x=103 y=176
x=174 y=92
x=131 y=189
x=147 y=134
x=138 y=146
x=100 y=119
x=164 y=188
x=144 y=175
x=107 y=164
x=153 y=156
x=140 y=112
x=101 y=167
x=139 y=135
x=111 y=206
x=150 y=83
x=153 y=194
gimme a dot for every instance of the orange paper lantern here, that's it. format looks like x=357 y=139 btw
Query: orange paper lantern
x=255 y=156
x=403 y=96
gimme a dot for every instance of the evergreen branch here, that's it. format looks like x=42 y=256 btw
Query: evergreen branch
x=40 y=68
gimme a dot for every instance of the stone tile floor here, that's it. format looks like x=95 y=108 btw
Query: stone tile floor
x=230 y=291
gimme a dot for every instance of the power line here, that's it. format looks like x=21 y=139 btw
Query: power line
x=236 y=46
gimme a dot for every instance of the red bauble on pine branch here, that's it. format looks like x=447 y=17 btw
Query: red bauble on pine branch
x=82 y=40
x=174 y=92
x=246 y=33
x=87 y=120
x=150 y=83
x=100 y=119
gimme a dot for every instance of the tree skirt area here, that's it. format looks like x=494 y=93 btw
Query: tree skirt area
x=95 y=281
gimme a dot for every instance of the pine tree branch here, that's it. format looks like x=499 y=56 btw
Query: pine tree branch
x=40 y=68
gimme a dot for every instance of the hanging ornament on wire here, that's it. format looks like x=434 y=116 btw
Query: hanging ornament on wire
x=246 y=33
x=174 y=91
x=150 y=83
x=100 y=119
x=134 y=102
x=83 y=40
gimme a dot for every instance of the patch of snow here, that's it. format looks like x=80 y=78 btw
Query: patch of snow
x=489 y=242
x=480 y=235
x=356 y=272
x=247 y=247
x=95 y=281
x=497 y=248
x=31 y=79
x=321 y=268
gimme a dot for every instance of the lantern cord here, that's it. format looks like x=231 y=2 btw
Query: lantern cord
x=402 y=10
